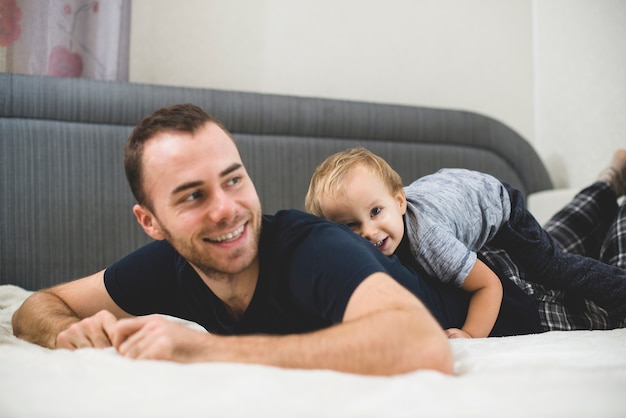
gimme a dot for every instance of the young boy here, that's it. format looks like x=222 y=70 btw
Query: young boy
x=449 y=216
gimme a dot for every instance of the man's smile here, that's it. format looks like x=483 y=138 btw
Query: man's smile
x=231 y=236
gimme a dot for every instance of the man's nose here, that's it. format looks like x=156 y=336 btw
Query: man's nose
x=221 y=207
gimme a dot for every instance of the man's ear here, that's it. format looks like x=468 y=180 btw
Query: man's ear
x=401 y=198
x=148 y=222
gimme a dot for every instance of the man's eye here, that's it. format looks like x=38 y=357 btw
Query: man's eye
x=194 y=196
x=375 y=211
x=233 y=181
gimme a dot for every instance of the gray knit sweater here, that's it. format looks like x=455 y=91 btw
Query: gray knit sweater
x=451 y=214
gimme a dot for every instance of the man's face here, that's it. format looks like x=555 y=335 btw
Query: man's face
x=204 y=203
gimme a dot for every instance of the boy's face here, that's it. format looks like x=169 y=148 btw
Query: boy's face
x=369 y=209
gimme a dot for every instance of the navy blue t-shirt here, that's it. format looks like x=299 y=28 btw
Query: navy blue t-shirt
x=309 y=268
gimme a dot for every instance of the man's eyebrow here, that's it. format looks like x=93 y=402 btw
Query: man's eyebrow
x=186 y=186
x=230 y=169
x=192 y=184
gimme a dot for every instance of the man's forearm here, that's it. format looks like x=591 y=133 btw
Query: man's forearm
x=41 y=317
x=385 y=343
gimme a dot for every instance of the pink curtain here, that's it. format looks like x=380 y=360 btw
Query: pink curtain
x=65 y=38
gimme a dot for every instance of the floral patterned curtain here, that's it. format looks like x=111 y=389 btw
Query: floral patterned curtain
x=65 y=38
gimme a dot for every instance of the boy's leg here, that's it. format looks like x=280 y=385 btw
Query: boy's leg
x=539 y=254
x=558 y=310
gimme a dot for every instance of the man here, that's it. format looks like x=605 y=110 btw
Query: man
x=288 y=290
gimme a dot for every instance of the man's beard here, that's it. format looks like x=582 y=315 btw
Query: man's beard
x=208 y=267
x=213 y=266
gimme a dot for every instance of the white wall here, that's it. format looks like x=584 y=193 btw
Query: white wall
x=489 y=56
x=580 y=86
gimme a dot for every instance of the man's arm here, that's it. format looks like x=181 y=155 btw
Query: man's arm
x=68 y=315
x=386 y=330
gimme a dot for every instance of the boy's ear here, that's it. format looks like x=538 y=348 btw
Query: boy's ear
x=148 y=222
x=401 y=198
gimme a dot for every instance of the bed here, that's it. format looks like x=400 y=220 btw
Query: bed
x=66 y=213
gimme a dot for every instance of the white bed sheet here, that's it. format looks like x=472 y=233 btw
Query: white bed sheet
x=556 y=374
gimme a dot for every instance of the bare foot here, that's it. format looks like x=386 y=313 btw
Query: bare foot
x=615 y=173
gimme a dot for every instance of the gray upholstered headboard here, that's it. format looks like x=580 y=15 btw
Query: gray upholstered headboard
x=65 y=206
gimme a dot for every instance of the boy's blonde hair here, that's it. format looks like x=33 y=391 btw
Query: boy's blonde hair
x=328 y=179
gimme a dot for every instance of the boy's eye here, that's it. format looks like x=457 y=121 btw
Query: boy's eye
x=375 y=212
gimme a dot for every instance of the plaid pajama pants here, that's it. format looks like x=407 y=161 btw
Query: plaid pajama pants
x=592 y=224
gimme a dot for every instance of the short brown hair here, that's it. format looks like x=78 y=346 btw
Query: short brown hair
x=186 y=118
x=330 y=175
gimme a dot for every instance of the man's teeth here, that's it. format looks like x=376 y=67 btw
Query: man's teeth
x=227 y=237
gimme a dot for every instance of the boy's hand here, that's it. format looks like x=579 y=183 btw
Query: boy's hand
x=457 y=333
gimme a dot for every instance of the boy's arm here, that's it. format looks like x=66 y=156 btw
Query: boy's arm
x=484 y=305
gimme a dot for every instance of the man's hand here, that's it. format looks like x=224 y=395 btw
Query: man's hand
x=157 y=338
x=88 y=332
x=69 y=315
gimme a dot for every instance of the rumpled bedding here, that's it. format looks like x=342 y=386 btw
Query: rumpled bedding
x=556 y=374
